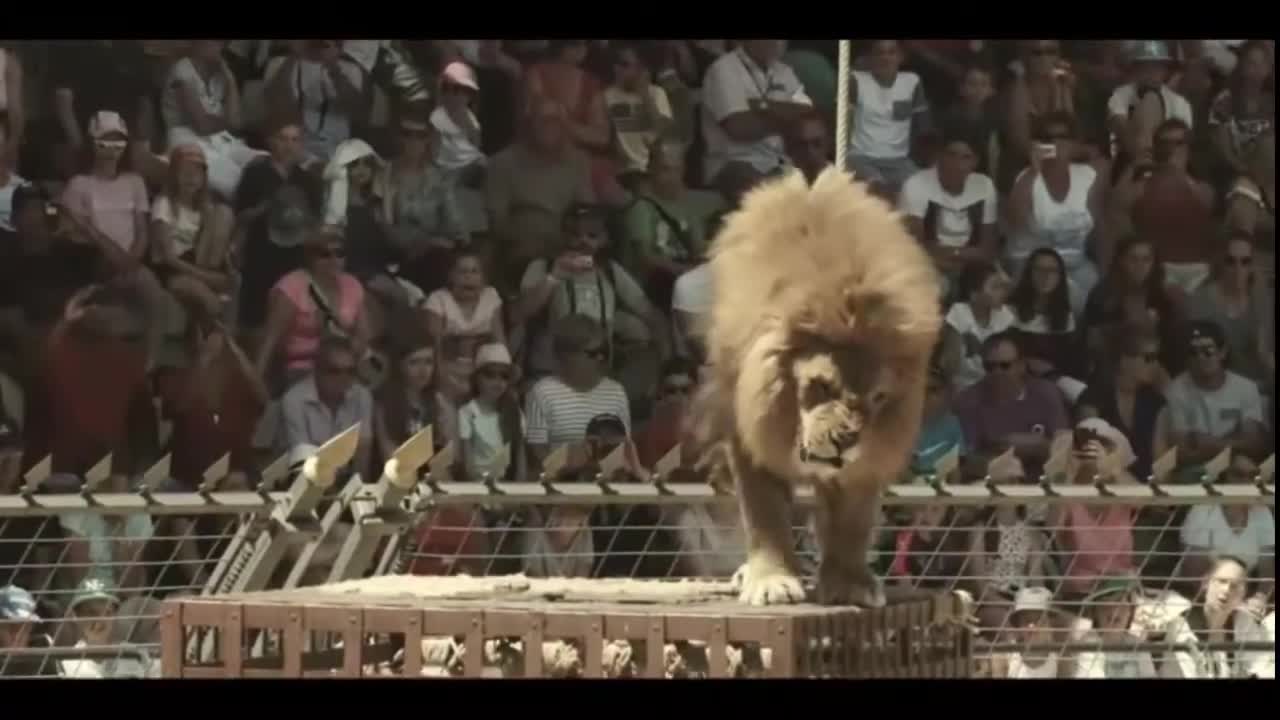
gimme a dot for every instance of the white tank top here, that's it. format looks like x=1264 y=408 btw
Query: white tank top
x=1064 y=226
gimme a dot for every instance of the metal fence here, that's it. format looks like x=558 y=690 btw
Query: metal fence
x=988 y=540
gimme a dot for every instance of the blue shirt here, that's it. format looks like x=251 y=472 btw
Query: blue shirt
x=937 y=437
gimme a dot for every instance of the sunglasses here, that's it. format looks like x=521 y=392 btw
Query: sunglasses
x=1240 y=260
x=1147 y=357
x=1204 y=351
x=999 y=365
x=495 y=374
x=597 y=353
x=677 y=389
x=333 y=253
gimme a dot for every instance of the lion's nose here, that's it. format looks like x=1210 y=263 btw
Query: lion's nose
x=845 y=438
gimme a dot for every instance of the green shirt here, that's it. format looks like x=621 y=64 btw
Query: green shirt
x=650 y=234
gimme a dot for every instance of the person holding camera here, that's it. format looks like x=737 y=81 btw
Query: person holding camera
x=326 y=87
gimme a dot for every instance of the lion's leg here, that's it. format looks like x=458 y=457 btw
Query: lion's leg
x=846 y=518
x=770 y=577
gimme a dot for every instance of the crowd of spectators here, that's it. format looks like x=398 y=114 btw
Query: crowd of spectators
x=243 y=248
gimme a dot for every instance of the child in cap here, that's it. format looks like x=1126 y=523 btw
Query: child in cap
x=92 y=613
x=1033 y=621
x=1111 y=615
x=491 y=425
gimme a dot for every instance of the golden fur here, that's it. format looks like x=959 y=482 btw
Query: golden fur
x=825 y=315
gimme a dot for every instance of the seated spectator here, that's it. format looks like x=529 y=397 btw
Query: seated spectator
x=1057 y=204
x=1132 y=117
x=1246 y=532
x=951 y=209
x=1046 y=327
x=18 y=619
x=409 y=399
x=1009 y=409
x=1238 y=301
x=1218 y=614
x=10 y=181
x=665 y=230
x=665 y=428
x=749 y=97
x=93 y=612
x=1131 y=295
x=940 y=431
x=491 y=426
x=461 y=317
x=1210 y=407
x=455 y=122
x=532 y=183
x=318 y=300
x=1013 y=556
x=674 y=70
x=1127 y=393
x=277 y=204
x=639 y=113
x=1033 y=621
x=1112 y=617
x=974 y=110
x=890 y=111
x=421 y=206
x=1174 y=209
x=13 y=104
x=201 y=106
x=582 y=280
x=979 y=313
x=1245 y=109
x=1251 y=201
x=327 y=402
x=1094 y=542
x=561 y=79
x=808 y=145
x=936 y=551
x=328 y=89
x=1044 y=87
x=191 y=235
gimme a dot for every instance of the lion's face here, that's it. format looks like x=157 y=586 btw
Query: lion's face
x=840 y=393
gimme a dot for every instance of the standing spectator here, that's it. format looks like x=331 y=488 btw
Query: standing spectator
x=1094 y=541
x=582 y=280
x=491 y=426
x=276 y=205
x=665 y=228
x=639 y=111
x=1245 y=110
x=808 y=145
x=1133 y=294
x=9 y=180
x=1007 y=408
x=749 y=97
x=13 y=104
x=1246 y=532
x=1137 y=107
x=455 y=121
x=1046 y=86
x=979 y=313
x=1057 y=204
x=951 y=209
x=308 y=304
x=201 y=106
x=1238 y=301
x=409 y=399
x=1251 y=201
x=92 y=76
x=532 y=183
x=1217 y=616
x=326 y=87
x=462 y=317
x=1046 y=327
x=1174 y=209
x=1126 y=392
x=890 y=111
x=1210 y=407
x=421 y=205
x=191 y=235
x=326 y=403
x=580 y=95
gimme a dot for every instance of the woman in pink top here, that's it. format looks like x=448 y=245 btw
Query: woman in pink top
x=1095 y=541
x=109 y=198
x=460 y=317
x=305 y=305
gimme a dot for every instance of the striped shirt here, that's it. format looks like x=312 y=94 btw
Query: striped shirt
x=558 y=414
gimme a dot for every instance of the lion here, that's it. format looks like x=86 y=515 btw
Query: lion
x=824 y=318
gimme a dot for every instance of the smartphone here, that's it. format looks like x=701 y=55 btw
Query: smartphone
x=582 y=263
x=1047 y=151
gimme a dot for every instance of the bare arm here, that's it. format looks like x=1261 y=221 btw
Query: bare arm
x=231 y=106
x=1102 y=239
x=280 y=314
x=381 y=436
x=1226 y=150
x=203 y=123
x=17 y=102
x=1018 y=119
x=280 y=90
x=65 y=108
x=594 y=133
x=256 y=384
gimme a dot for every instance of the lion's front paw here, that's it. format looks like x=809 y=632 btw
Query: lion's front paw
x=769 y=586
x=861 y=588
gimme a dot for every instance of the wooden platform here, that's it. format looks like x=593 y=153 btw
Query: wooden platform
x=419 y=626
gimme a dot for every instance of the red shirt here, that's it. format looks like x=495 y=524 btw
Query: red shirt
x=84 y=392
x=202 y=434
x=663 y=432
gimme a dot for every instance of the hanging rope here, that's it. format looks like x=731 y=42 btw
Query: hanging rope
x=842 y=106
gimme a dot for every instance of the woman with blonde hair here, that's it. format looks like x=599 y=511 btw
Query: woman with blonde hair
x=191 y=235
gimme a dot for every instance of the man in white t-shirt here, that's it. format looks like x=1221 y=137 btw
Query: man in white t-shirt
x=1210 y=407
x=1129 y=118
x=889 y=109
x=749 y=97
x=638 y=110
x=951 y=209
